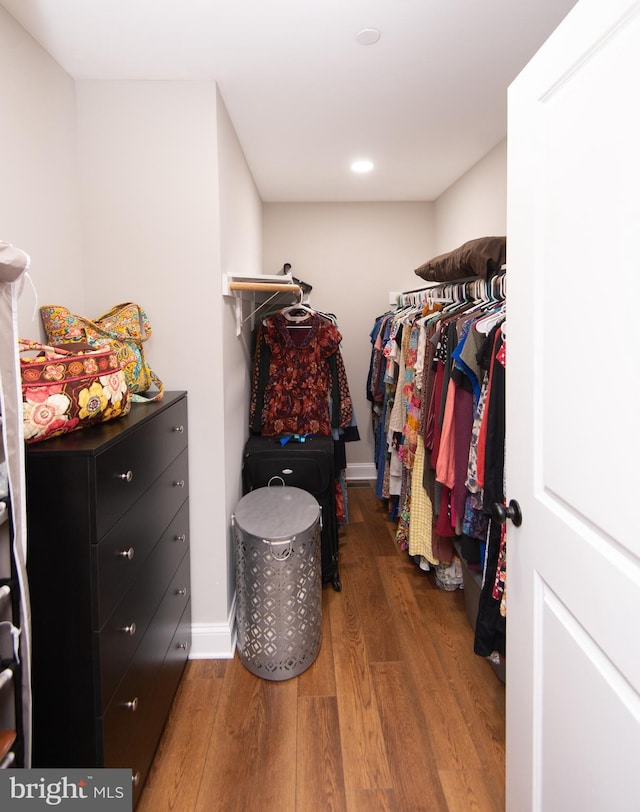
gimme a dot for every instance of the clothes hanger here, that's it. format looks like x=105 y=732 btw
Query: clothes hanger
x=494 y=303
x=297 y=312
x=486 y=323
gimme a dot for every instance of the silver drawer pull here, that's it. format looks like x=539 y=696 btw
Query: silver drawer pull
x=183 y=646
x=126 y=477
x=128 y=554
x=182 y=537
x=130 y=630
x=132 y=706
x=179 y=429
x=179 y=483
x=181 y=592
x=135 y=779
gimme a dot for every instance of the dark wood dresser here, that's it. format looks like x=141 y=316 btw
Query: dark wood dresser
x=108 y=547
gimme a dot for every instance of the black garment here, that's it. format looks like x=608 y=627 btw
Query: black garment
x=490 y=633
x=494 y=446
x=491 y=626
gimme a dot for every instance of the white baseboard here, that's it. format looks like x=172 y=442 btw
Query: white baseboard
x=361 y=470
x=214 y=641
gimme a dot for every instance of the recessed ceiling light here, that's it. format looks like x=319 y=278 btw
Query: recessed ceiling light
x=362 y=166
x=368 y=36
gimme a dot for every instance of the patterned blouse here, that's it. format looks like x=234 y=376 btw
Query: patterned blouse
x=299 y=385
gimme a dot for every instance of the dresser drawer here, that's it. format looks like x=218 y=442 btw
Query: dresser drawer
x=128 y=624
x=102 y=694
x=174 y=662
x=131 y=737
x=125 y=470
x=121 y=555
x=131 y=721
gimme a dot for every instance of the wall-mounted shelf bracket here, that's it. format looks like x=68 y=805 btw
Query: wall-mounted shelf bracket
x=259 y=290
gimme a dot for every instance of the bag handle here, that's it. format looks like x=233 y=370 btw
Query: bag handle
x=145 y=327
x=25 y=345
x=88 y=324
x=112 y=335
x=98 y=329
x=159 y=394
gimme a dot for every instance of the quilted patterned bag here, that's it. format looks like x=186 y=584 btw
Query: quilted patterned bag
x=125 y=327
x=68 y=389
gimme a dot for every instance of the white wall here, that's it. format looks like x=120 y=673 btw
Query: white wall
x=476 y=204
x=240 y=253
x=169 y=204
x=353 y=254
x=39 y=210
x=149 y=177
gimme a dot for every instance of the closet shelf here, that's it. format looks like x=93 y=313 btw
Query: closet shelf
x=260 y=290
x=264 y=283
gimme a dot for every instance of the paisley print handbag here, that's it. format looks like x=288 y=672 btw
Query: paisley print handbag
x=68 y=389
x=124 y=328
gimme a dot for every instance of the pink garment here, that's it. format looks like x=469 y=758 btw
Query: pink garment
x=445 y=466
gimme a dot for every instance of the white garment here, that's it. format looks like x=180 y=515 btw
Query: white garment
x=14 y=265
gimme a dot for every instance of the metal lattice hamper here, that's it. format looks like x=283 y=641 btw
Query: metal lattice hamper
x=278 y=581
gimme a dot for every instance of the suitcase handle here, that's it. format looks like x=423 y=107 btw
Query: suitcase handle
x=276 y=477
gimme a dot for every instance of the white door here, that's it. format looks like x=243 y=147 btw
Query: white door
x=573 y=417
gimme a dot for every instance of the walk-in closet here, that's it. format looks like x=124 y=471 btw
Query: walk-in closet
x=290 y=191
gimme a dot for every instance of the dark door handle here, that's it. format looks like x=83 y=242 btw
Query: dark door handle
x=512 y=511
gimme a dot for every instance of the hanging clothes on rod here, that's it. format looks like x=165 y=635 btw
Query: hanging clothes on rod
x=437 y=403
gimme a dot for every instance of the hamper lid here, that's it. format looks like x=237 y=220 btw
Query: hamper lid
x=277 y=512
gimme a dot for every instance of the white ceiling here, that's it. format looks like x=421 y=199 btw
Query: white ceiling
x=424 y=103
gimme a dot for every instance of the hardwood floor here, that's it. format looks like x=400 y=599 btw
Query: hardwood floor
x=397 y=713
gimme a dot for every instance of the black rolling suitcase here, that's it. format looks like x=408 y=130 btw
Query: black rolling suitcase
x=308 y=465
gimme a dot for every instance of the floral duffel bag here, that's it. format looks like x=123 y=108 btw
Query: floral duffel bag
x=68 y=389
x=125 y=328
